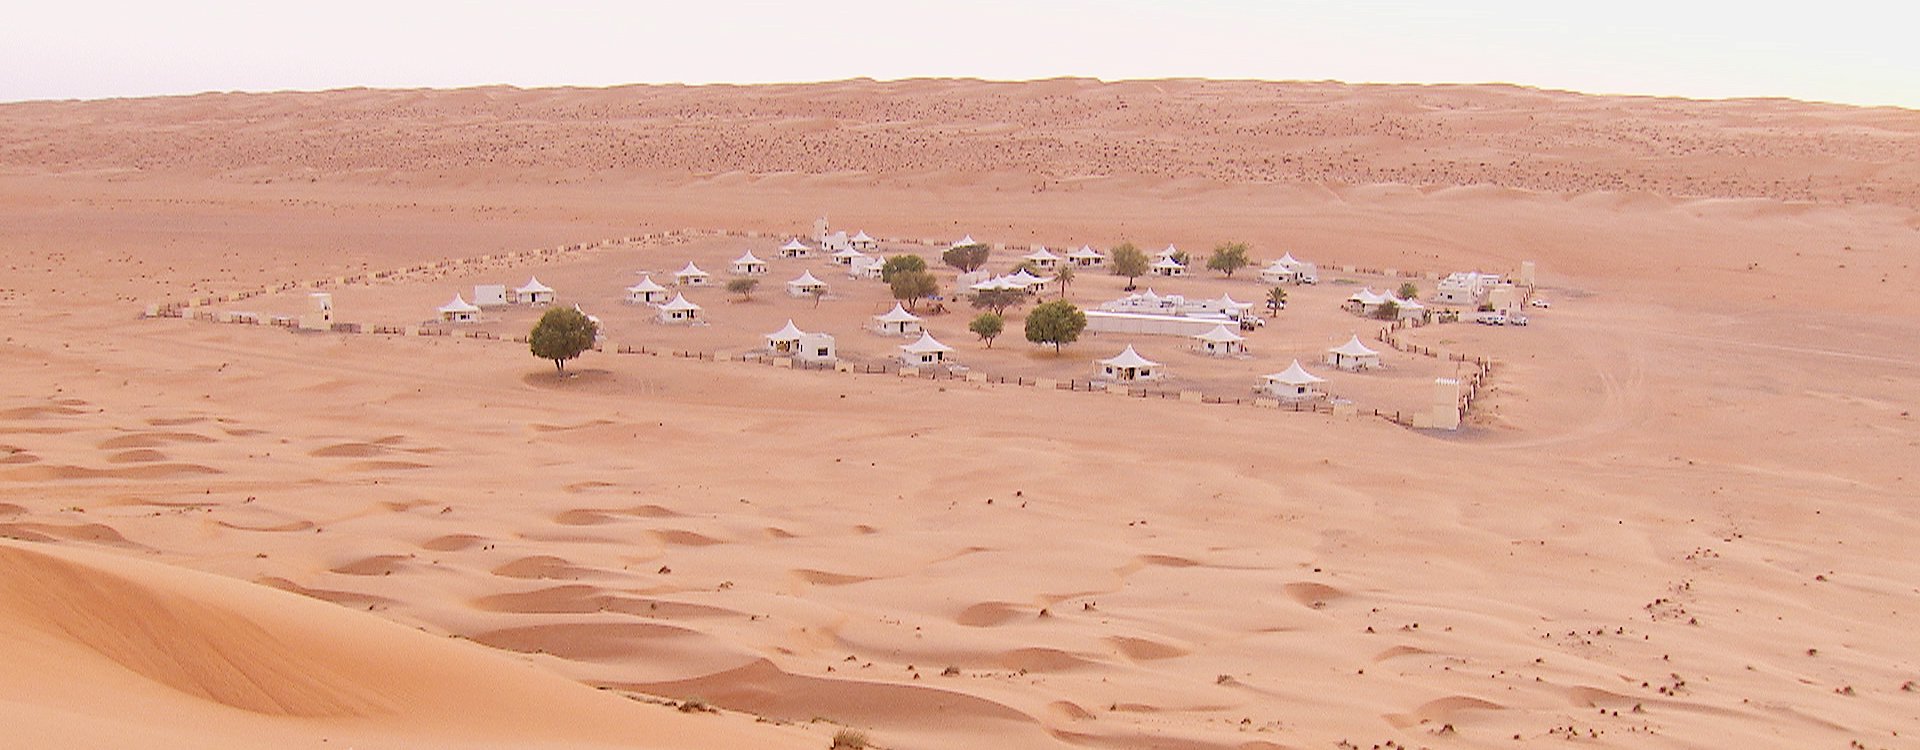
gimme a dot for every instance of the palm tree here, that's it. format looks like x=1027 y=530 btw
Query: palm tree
x=1276 y=298
x=1065 y=277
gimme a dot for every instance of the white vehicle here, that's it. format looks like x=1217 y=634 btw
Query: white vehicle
x=1492 y=319
x=1516 y=320
x=1540 y=303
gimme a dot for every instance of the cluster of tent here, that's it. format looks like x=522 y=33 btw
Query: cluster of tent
x=1368 y=302
x=459 y=310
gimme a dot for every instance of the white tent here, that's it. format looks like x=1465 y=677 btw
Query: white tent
x=459 y=311
x=806 y=286
x=1027 y=281
x=1409 y=308
x=965 y=241
x=797 y=249
x=749 y=265
x=1366 y=301
x=646 y=292
x=534 y=293
x=691 y=276
x=1167 y=266
x=861 y=241
x=786 y=340
x=1222 y=342
x=1087 y=257
x=679 y=310
x=925 y=351
x=897 y=322
x=866 y=267
x=1042 y=258
x=1293 y=383
x=1129 y=366
x=1353 y=355
x=1169 y=252
x=847 y=257
x=1290 y=270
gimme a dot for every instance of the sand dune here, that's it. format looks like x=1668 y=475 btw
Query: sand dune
x=1679 y=518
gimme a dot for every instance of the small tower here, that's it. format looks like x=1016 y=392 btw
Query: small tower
x=1443 y=413
x=1527 y=273
x=820 y=230
x=319 y=314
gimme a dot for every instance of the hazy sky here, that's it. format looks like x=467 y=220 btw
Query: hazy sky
x=1835 y=50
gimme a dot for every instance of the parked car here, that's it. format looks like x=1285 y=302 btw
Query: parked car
x=1492 y=319
x=1540 y=303
x=1516 y=319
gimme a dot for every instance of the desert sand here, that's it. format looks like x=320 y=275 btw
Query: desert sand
x=1679 y=519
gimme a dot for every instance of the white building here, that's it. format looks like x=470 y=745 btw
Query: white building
x=646 y=292
x=490 y=295
x=1042 y=259
x=1464 y=288
x=678 y=311
x=1102 y=321
x=1288 y=270
x=319 y=314
x=925 y=351
x=1128 y=366
x=691 y=276
x=860 y=241
x=749 y=265
x=1221 y=341
x=797 y=249
x=1293 y=383
x=806 y=286
x=833 y=242
x=897 y=322
x=867 y=267
x=459 y=311
x=1353 y=355
x=1167 y=266
x=1087 y=257
x=533 y=293
x=965 y=241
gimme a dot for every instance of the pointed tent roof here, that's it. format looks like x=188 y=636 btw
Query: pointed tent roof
x=1086 y=251
x=679 y=303
x=459 y=304
x=849 y=253
x=790 y=332
x=1409 y=303
x=690 y=270
x=1353 y=348
x=965 y=241
x=1227 y=300
x=997 y=283
x=1220 y=334
x=1148 y=295
x=861 y=236
x=1286 y=259
x=534 y=286
x=1367 y=296
x=1025 y=279
x=926 y=343
x=646 y=285
x=793 y=244
x=897 y=315
x=1167 y=261
x=806 y=279
x=747 y=258
x=1295 y=375
x=1169 y=251
x=1129 y=358
x=1040 y=252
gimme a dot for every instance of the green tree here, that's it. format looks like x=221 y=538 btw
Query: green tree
x=1065 y=277
x=998 y=300
x=1228 y=257
x=562 y=334
x=1388 y=310
x=743 y=287
x=898 y=263
x=1129 y=261
x=912 y=286
x=967 y=258
x=1277 y=298
x=1409 y=291
x=1058 y=323
x=987 y=326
